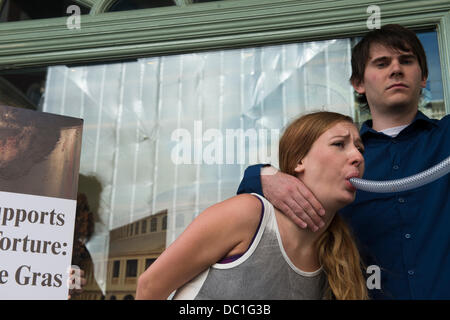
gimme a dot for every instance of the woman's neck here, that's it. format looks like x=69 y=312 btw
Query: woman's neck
x=300 y=244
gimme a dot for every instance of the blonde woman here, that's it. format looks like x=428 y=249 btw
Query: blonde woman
x=244 y=248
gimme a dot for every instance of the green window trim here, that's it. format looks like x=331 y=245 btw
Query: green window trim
x=209 y=26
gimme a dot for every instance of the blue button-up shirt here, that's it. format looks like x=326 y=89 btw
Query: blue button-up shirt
x=406 y=234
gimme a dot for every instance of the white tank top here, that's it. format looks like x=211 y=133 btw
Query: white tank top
x=264 y=271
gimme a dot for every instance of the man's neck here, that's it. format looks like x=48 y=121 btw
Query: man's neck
x=382 y=121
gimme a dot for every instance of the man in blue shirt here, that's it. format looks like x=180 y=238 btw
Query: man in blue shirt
x=406 y=234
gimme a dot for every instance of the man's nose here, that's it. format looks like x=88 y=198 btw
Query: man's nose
x=396 y=69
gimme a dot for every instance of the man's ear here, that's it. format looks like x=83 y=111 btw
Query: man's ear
x=359 y=86
x=423 y=83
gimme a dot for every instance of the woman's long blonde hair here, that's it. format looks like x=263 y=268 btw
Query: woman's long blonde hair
x=338 y=253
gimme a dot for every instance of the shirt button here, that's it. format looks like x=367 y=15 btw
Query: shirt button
x=407 y=236
x=395 y=167
x=411 y=272
x=401 y=200
x=394 y=141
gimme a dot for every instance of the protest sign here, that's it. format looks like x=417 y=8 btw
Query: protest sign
x=39 y=165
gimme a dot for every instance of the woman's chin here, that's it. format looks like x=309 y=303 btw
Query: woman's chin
x=347 y=198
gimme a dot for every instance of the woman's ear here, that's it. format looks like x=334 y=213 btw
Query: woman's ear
x=300 y=167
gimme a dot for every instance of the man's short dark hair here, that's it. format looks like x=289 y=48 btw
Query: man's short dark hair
x=392 y=36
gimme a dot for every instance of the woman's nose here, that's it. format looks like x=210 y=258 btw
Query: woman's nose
x=356 y=157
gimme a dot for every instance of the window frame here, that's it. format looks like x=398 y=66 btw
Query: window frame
x=154 y=224
x=115 y=263
x=220 y=25
x=144 y=226
x=131 y=268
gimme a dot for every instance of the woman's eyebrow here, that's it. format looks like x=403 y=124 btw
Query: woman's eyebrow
x=358 y=140
x=341 y=136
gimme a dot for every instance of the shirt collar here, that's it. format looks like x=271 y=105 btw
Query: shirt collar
x=420 y=117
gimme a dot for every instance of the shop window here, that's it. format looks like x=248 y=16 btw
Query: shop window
x=130 y=121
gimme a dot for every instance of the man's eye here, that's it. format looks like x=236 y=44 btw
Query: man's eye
x=361 y=150
x=381 y=65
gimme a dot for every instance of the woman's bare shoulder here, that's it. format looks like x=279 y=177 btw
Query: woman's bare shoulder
x=238 y=217
x=243 y=208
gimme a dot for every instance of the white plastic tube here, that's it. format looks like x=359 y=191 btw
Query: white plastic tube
x=408 y=183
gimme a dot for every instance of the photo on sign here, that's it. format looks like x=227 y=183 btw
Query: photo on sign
x=39 y=153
